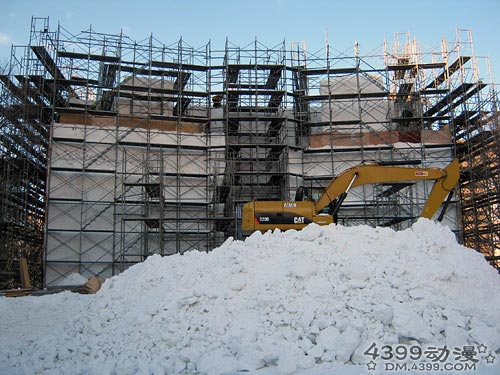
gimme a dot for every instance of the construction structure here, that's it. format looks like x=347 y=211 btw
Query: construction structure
x=113 y=149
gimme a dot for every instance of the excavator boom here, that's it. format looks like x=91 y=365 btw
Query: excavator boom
x=446 y=179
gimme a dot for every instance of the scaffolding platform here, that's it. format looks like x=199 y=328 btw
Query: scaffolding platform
x=447 y=72
x=354 y=95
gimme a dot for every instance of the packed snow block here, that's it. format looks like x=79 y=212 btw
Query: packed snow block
x=133 y=248
x=167 y=161
x=163 y=138
x=217 y=140
x=100 y=157
x=345 y=104
x=57 y=273
x=65 y=185
x=317 y=165
x=79 y=247
x=67 y=155
x=123 y=105
x=62 y=246
x=172 y=138
x=169 y=138
x=185 y=162
x=74 y=132
x=64 y=215
x=190 y=243
x=96 y=247
x=193 y=163
x=326 y=138
x=192 y=139
x=127 y=222
x=73 y=279
x=135 y=135
x=437 y=156
x=133 y=159
x=101 y=134
x=323 y=163
x=441 y=136
x=217 y=165
x=348 y=159
x=295 y=161
x=196 y=108
x=190 y=189
x=97 y=216
x=144 y=107
x=98 y=187
x=188 y=220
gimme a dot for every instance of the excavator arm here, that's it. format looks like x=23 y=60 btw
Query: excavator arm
x=445 y=181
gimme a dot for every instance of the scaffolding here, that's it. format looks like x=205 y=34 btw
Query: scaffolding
x=477 y=139
x=129 y=154
x=249 y=86
x=372 y=107
x=113 y=149
x=25 y=116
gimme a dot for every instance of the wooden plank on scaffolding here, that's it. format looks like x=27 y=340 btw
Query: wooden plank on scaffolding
x=25 y=276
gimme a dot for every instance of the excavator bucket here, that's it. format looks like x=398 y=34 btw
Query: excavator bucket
x=442 y=187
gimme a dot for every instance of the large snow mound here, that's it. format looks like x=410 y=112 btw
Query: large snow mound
x=288 y=302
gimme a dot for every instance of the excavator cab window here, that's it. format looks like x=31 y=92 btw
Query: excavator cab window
x=303 y=194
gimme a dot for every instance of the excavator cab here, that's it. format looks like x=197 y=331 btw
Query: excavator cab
x=303 y=193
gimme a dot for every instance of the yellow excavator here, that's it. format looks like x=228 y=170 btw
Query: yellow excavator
x=284 y=215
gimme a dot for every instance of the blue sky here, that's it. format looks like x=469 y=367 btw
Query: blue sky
x=366 y=21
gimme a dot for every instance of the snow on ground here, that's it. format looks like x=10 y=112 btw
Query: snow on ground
x=72 y=279
x=309 y=302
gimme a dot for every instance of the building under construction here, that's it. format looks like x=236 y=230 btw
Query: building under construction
x=114 y=149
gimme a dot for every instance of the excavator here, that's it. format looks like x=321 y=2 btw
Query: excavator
x=284 y=215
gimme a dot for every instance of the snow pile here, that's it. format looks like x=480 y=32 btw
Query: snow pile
x=72 y=279
x=286 y=302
